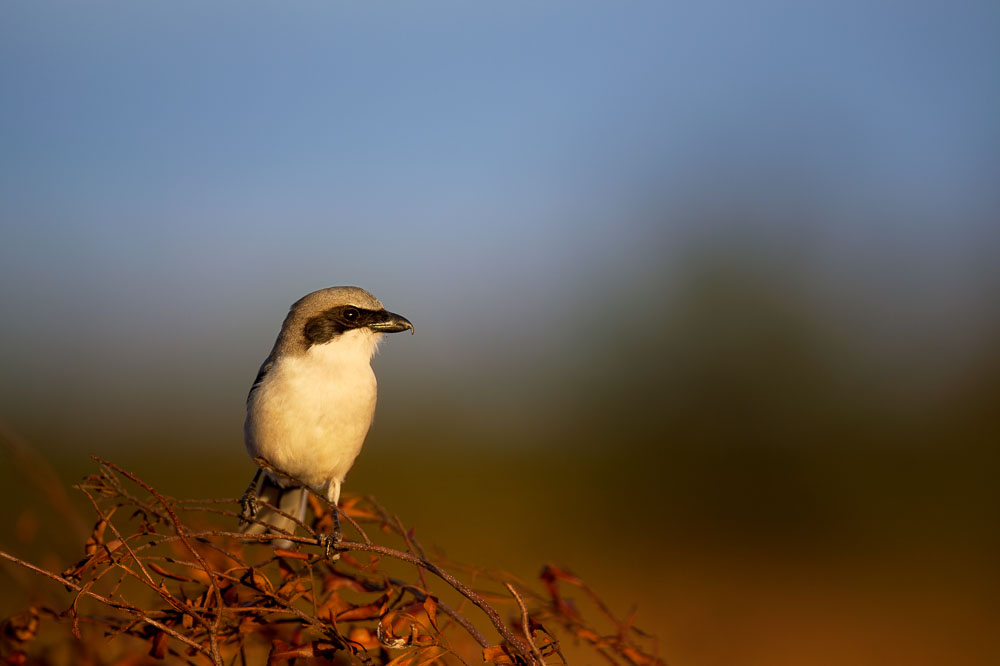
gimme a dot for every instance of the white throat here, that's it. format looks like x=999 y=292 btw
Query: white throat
x=355 y=346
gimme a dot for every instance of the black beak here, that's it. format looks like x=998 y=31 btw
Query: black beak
x=390 y=322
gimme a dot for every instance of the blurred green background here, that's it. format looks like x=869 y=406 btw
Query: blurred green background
x=705 y=294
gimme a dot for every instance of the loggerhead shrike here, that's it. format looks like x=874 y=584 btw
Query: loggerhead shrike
x=312 y=403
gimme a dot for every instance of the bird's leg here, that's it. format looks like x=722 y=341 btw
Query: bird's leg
x=331 y=541
x=248 y=503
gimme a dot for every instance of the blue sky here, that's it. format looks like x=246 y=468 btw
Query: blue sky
x=140 y=124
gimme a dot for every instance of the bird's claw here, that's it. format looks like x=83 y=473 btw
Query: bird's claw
x=248 y=506
x=331 y=544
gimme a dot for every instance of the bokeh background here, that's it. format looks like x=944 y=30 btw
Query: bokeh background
x=705 y=293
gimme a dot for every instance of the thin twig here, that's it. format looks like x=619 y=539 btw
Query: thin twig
x=410 y=548
x=462 y=589
x=179 y=528
x=214 y=606
x=525 y=626
x=141 y=615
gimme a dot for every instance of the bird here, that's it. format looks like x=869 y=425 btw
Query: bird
x=312 y=403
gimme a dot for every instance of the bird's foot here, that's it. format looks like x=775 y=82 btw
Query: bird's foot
x=248 y=506
x=331 y=544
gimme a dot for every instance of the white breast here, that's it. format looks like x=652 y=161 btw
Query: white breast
x=311 y=413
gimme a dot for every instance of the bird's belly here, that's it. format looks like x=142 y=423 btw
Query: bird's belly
x=309 y=424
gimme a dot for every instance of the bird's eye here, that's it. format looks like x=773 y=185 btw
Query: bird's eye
x=351 y=314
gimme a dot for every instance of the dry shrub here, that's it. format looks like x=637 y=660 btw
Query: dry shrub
x=166 y=579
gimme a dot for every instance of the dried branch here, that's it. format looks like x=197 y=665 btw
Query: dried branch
x=525 y=624
x=85 y=591
x=200 y=592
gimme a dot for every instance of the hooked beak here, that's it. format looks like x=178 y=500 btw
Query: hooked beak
x=390 y=322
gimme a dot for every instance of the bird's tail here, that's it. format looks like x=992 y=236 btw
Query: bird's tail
x=290 y=500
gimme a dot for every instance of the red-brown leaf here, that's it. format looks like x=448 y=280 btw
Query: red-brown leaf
x=366 y=638
x=23 y=627
x=636 y=657
x=387 y=635
x=287 y=572
x=282 y=652
x=497 y=654
x=430 y=654
x=257 y=581
x=335 y=580
x=16 y=658
x=96 y=537
x=405 y=659
x=430 y=607
x=158 y=650
x=167 y=573
x=366 y=612
x=333 y=607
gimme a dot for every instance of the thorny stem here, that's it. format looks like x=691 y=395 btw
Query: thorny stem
x=179 y=528
x=146 y=577
x=416 y=591
x=461 y=587
x=447 y=610
x=141 y=615
x=243 y=612
x=525 y=624
x=410 y=548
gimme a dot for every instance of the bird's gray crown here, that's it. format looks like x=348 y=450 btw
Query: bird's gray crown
x=324 y=299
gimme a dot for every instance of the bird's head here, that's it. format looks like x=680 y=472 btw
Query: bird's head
x=339 y=313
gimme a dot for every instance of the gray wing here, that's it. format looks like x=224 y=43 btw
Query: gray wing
x=268 y=364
